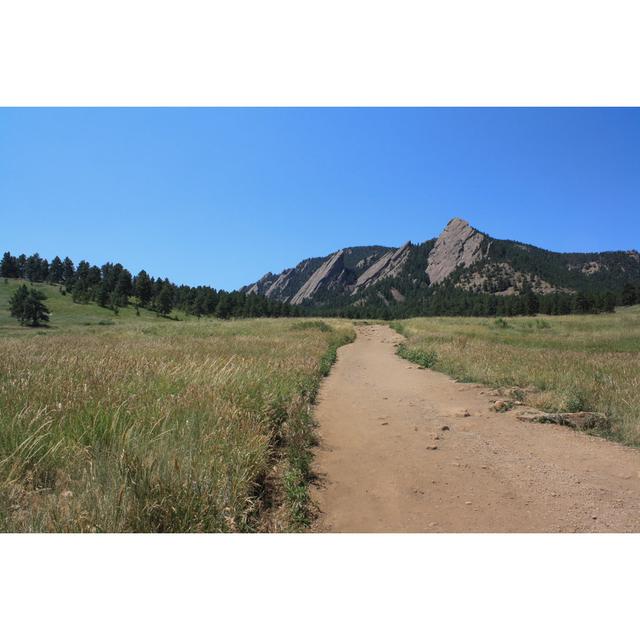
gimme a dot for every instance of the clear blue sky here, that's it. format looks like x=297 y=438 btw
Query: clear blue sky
x=220 y=196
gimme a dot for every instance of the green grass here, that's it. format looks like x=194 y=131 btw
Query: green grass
x=65 y=314
x=564 y=363
x=152 y=425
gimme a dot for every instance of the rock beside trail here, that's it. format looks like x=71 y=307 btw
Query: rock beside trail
x=501 y=405
x=576 y=420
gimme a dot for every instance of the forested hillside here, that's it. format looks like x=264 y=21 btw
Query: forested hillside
x=113 y=287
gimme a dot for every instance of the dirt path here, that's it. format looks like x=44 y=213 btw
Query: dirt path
x=382 y=417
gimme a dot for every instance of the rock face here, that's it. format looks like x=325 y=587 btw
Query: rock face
x=330 y=274
x=458 y=245
x=388 y=266
x=271 y=285
x=339 y=272
x=279 y=285
x=261 y=287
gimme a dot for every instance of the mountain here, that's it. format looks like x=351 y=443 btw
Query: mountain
x=312 y=278
x=461 y=260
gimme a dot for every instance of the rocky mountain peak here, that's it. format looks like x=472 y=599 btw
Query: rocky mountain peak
x=459 y=244
x=456 y=223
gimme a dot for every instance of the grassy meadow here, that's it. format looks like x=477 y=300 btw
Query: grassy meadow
x=138 y=423
x=134 y=422
x=556 y=363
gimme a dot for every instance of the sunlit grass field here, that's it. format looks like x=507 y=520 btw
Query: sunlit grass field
x=153 y=425
x=65 y=313
x=562 y=363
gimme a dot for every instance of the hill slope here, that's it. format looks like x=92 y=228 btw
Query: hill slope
x=64 y=312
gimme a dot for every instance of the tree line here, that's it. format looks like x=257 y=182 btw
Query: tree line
x=112 y=286
x=454 y=301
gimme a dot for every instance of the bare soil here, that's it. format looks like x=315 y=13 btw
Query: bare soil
x=398 y=453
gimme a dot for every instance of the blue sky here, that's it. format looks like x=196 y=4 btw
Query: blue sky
x=220 y=196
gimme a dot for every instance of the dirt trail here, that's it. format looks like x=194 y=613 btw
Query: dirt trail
x=380 y=418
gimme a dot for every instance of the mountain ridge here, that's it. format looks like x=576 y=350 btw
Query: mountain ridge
x=461 y=259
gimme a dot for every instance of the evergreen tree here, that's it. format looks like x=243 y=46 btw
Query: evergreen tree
x=532 y=304
x=124 y=288
x=17 y=300
x=581 y=303
x=28 y=307
x=164 y=301
x=609 y=302
x=44 y=270
x=144 y=288
x=82 y=272
x=94 y=277
x=114 y=302
x=8 y=266
x=56 y=271
x=111 y=274
x=628 y=295
x=68 y=272
x=21 y=265
x=79 y=292
x=225 y=307
x=32 y=268
x=103 y=295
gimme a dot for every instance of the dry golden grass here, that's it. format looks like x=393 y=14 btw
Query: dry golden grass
x=175 y=426
x=567 y=363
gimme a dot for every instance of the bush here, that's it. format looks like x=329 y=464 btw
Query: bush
x=426 y=359
x=308 y=325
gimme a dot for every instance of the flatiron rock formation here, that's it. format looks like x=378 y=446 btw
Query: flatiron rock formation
x=458 y=245
x=460 y=259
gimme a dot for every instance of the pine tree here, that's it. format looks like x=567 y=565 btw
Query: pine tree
x=44 y=270
x=16 y=302
x=164 y=302
x=581 y=303
x=56 y=271
x=68 y=272
x=144 y=288
x=628 y=295
x=21 y=263
x=532 y=303
x=79 y=292
x=82 y=272
x=103 y=296
x=8 y=266
x=225 y=306
x=609 y=302
x=32 y=268
x=124 y=288
x=28 y=307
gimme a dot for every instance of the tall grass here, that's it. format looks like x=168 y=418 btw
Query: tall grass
x=190 y=426
x=568 y=363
